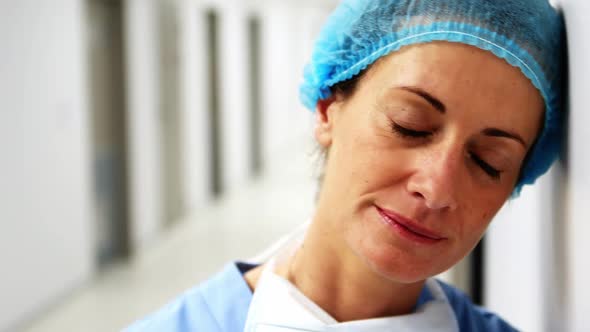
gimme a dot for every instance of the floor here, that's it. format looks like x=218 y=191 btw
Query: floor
x=235 y=227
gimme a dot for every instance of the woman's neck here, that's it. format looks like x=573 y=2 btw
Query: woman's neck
x=344 y=286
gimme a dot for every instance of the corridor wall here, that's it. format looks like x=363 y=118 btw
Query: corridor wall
x=46 y=242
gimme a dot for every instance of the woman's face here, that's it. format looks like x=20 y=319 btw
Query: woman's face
x=422 y=155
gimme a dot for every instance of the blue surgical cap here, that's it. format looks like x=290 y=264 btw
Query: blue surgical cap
x=528 y=34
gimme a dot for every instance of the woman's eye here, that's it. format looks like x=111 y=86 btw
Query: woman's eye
x=489 y=170
x=409 y=133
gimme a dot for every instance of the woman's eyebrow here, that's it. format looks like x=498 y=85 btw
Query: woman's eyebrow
x=435 y=102
x=495 y=132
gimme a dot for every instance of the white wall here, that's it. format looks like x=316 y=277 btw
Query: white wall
x=288 y=33
x=278 y=25
x=578 y=225
x=194 y=119
x=515 y=257
x=143 y=107
x=45 y=181
x=234 y=93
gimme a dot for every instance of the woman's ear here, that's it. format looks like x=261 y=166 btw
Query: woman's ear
x=325 y=121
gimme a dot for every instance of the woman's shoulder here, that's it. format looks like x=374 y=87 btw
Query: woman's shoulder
x=470 y=316
x=219 y=304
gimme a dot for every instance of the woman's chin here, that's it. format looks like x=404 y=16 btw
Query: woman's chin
x=397 y=268
x=397 y=263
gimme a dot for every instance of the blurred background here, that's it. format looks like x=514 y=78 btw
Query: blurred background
x=144 y=144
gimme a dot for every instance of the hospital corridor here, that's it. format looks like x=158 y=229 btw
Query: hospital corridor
x=147 y=144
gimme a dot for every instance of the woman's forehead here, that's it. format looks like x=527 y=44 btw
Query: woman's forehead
x=457 y=73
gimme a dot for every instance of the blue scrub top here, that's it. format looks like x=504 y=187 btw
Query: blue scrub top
x=221 y=305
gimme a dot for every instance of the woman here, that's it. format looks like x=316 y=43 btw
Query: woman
x=431 y=114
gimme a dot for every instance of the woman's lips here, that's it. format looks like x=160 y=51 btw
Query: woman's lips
x=409 y=228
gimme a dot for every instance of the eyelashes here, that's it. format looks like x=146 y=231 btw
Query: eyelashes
x=408 y=133
x=492 y=172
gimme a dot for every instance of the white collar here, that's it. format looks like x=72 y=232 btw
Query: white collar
x=277 y=305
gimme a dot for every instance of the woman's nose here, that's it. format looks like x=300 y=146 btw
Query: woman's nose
x=437 y=179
